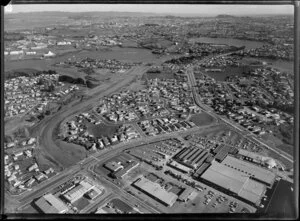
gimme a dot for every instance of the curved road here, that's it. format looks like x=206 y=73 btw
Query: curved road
x=46 y=132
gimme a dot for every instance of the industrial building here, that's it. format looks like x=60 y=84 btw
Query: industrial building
x=78 y=191
x=114 y=166
x=179 y=167
x=155 y=191
x=51 y=204
x=234 y=181
x=257 y=158
x=123 y=172
x=201 y=170
x=258 y=173
x=222 y=150
x=192 y=157
x=93 y=193
x=186 y=194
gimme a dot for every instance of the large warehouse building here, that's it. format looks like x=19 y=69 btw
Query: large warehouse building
x=51 y=204
x=258 y=173
x=234 y=181
x=155 y=191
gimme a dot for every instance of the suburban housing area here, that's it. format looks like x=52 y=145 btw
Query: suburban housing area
x=136 y=113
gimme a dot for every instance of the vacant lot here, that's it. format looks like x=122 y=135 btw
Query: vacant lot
x=69 y=154
x=202 y=119
x=102 y=130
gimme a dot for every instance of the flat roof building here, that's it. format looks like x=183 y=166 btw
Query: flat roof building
x=155 y=191
x=122 y=173
x=78 y=191
x=257 y=158
x=51 y=204
x=258 y=173
x=234 y=181
x=185 y=195
x=114 y=166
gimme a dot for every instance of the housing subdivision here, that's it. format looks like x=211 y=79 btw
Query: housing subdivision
x=132 y=113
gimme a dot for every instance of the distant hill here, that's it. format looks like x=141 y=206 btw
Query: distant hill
x=225 y=16
x=58 y=14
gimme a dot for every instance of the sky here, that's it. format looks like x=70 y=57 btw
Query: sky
x=169 y=9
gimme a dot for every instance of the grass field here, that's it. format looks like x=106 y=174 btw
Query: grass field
x=69 y=154
x=202 y=119
x=43 y=163
x=102 y=129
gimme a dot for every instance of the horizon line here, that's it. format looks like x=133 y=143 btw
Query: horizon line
x=156 y=13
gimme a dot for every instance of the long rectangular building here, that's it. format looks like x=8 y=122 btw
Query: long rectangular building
x=261 y=174
x=234 y=181
x=201 y=160
x=201 y=169
x=190 y=154
x=198 y=156
x=179 y=167
x=155 y=191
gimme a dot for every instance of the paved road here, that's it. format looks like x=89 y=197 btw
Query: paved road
x=46 y=131
x=209 y=110
x=49 y=125
x=92 y=160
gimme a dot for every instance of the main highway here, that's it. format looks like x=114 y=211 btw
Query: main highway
x=47 y=127
x=87 y=163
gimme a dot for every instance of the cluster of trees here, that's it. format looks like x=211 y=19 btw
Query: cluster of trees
x=9 y=36
x=183 y=60
x=69 y=79
x=88 y=70
x=91 y=84
x=49 y=85
x=21 y=132
x=286 y=131
x=154 y=70
x=31 y=73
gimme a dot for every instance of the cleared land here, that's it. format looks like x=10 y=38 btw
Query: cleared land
x=202 y=119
